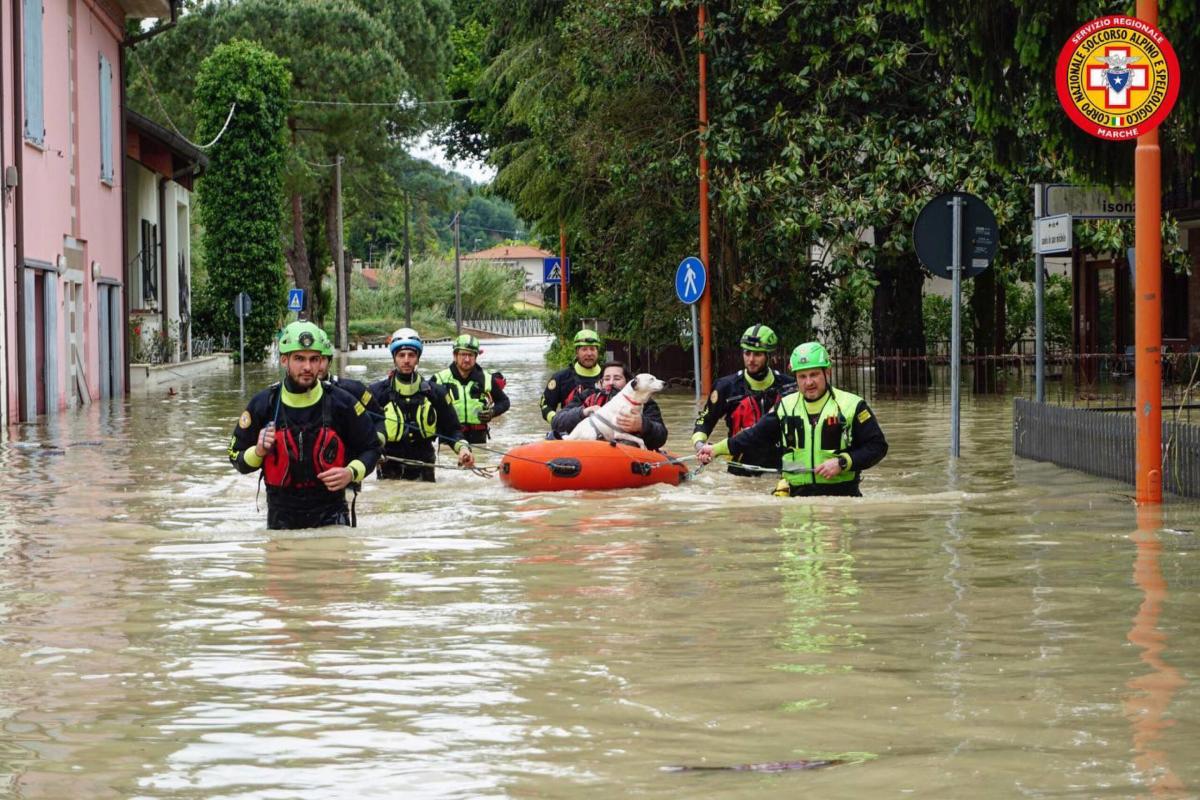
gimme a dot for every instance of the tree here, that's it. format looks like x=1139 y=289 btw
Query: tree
x=238 y=197
x=362 y=70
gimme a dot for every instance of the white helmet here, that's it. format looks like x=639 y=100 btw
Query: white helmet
x=406 y=338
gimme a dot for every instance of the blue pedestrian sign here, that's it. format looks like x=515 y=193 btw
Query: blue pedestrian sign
x=690 y=279
x=552 y=271
x=296 y=300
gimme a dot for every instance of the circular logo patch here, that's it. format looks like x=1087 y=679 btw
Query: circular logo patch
x=552 y=384
x=244 y=422
x=1117 y=77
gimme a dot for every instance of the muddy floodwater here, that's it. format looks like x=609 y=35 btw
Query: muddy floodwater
x=993 y=629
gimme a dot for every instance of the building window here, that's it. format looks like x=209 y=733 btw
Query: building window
x=35 y=122
x=106 y=118
x=149 y=258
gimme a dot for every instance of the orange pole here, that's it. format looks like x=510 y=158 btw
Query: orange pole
x=706 y=365
x=1147 y=315
x=562 y=266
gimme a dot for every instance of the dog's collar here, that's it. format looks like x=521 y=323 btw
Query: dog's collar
x=632 y=402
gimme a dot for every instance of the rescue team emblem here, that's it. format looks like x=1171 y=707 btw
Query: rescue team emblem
x=1117 y=77
x=244 y=422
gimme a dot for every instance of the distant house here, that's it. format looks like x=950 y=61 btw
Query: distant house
x=65 y=301
x=159 y=170
x=526 y=258
x=520 y=256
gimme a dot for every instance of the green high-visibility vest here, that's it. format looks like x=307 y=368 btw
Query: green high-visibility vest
x=809 y=444
x=467 y=403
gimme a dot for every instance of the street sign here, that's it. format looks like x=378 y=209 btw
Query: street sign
x=690 y=279
x=1088 y=202
x=1052 y=235
x=933 y=232
x=241 y=305
x=296 y=300
x=552 y=270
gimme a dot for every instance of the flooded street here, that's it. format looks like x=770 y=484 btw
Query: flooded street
x=1001 y=629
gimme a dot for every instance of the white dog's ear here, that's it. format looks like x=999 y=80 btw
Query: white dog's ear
x=633 y=384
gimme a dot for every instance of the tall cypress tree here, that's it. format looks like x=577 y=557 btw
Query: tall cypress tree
x=239 y=196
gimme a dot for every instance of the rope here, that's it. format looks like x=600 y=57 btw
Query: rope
x=483 y=472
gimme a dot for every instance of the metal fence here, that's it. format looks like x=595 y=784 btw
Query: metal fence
x=1087 y=380
x=507 y=327
x=1103 y=441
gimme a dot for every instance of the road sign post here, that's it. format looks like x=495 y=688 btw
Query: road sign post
x=938 y=235
x=241 y=309
x=690 y=280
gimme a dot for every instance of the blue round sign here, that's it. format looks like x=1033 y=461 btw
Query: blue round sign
x=690 y=279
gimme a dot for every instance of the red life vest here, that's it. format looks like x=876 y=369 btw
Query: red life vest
x=596 y=398
x=300 y=455
x=750 y=408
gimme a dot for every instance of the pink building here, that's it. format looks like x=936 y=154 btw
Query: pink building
x=61 y=123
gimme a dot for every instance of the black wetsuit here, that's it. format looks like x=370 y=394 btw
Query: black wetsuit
x=298 y=499
x=412 y=424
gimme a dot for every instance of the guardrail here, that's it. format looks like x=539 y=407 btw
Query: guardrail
x=508 y=327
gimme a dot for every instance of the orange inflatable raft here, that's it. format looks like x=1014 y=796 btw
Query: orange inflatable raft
x=557 y=465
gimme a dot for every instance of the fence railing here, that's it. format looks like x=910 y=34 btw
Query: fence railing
x=1088 y=380
x=1102 y=442
x=507 y=327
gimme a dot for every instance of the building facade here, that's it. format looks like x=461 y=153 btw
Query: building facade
x=63 y=183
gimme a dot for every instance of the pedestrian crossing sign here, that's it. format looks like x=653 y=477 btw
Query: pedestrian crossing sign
x=552 y=270
x=296 y=300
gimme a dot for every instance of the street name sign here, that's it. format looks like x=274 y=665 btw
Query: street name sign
x=1052 y=235
x=1088 y=202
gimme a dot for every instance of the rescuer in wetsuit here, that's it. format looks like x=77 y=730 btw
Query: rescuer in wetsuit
x=311 y=440
x=583 y=373
x=828 y=436
x=741 y=399
x=477 y=395
x=416 y=415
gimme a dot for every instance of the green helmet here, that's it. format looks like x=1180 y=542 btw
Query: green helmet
x=302 y=335
x=588 y=338
x=810 y=355
x=466 y=342
x=326 y=345
x=759 y=339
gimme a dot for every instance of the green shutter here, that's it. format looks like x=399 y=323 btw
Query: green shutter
x=106 y=120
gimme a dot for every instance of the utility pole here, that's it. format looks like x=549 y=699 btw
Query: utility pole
x=705 y=332
x=342 y=334
x=1147 y=314
x=562 y=268
x=457 y=278
x=407 y=264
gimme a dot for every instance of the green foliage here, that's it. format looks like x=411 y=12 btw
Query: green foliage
x=1020 y=312
x=488 y=291
x=239 y=196
x=937 y=313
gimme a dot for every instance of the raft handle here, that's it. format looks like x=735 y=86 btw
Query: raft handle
x=565 y=467
x=640 y=468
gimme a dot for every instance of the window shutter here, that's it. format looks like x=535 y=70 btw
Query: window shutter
x=106 y=120
x=35 y=122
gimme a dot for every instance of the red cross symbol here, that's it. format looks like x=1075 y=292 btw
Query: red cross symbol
x=1139 y=79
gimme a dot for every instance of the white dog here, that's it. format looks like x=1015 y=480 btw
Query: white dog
x=603 y=422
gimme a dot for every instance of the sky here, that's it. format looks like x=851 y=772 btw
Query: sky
x=475 y=170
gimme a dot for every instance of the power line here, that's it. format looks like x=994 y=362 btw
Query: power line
x=167 y=117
